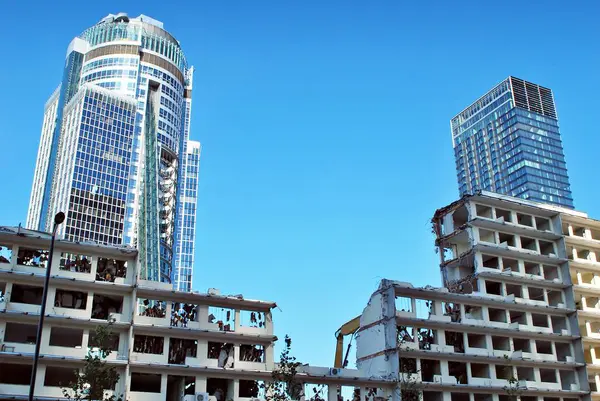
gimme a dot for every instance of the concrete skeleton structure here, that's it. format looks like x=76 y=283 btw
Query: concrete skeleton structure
x=518 y=316
x=170 y=345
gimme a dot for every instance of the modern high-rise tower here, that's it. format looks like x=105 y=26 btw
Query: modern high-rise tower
x=115 y=153
x=508 y=142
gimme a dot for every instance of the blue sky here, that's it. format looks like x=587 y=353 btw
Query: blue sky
x=325 y=130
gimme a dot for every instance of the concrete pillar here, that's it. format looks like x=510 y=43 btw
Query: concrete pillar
x=236 y=320
x=202 y=350
x=579 y=279
x=166 y=349
x=200 y=384
x=163 y=386
x=597 y=380
x=332 y=392
x=270 y=356
x=570 y=230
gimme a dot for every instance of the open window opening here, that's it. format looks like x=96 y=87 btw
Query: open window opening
x=33 y=257
x=459 y=371
x=180 y=348
x=252 y=353
x=477 y=341
x=178 y=386
x=404 y=304
x=111 y=342
x=507 y=239
x=529 y=244
x=433 y=396
x=585 y=254
x=567 y=379
x=26 y=294
x=75 y=263
x=2 y=291
x=490 y=262
x=504 y=372
x=252 y=319
x=221 y=389
x=493 y=287
x=145 y=382
x=20 y=333
x=595 y=234
x=459 y=396
x=473 y=312
x=223 y=352
x=563 y=351
x=532 y=269
x=500 y=343
x=510 y=265
x=408 y=365
x=70 y=299
x=104 y=306
x=456 y=339
x=525 y=373
x=13 y=373
x=539 y=320
x=547 y=248
x=110 y=269
x=487 y=236
x=518 y=317
x=524 y=220
x=570 y=253
x=222 y=317
x=152 y=308
x=497 y=315
x=536 y=294
x=483 y=211
x=427 y=337
x=544 y=347
x=503 y=214
x=453 y=310
x=424 y=308
x=548 y=376
x=460 y=217
x=59 y=377
x=587 y=278
x=429 y=369
x=483 y=397
x=406 y=334
x=182 y=313
x=251 y=389
x=555 y=297
x=543 y=224
x=480 y=370
x=514 y=289
x=449 y=253
x=551 y=272
x=522 y=344
x=148 y=344
x=66 y=337
x=5 y=253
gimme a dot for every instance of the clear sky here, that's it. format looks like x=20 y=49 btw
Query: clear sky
x=325 y=130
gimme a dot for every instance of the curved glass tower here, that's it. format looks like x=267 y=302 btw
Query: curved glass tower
x=115 y=153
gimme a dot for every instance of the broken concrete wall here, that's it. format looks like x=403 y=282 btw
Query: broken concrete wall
x=376 y=342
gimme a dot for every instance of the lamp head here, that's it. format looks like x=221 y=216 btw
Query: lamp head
x=59 y=218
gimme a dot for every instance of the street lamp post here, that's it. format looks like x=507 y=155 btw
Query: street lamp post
x=58 y=219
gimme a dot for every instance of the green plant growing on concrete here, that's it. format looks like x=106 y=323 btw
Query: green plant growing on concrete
x=95 y=380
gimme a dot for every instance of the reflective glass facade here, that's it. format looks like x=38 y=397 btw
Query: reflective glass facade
x=509 y=142
x=114 y=145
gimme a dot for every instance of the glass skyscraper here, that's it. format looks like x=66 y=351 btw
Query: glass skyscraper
x=115 y=153
x=508 y=142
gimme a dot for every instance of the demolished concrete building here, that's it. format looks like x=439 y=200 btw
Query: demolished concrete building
x=517 y=317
